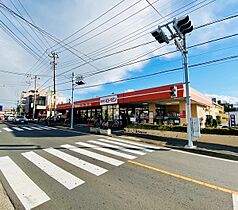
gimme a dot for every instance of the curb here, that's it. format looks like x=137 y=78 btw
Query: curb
x=5 y=202
x=195 y=150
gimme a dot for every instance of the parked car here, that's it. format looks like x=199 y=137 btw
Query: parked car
x=20 y=119
x=10 y=118
x=225 y=125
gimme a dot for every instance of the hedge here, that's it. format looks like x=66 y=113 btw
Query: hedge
x=220 y=131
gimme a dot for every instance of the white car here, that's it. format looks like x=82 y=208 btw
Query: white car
x=224 y=125
x=10 y=118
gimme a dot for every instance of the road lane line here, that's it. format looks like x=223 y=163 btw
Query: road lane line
x=235 y=201
x=17 y=128
x=146 y=146
x=108 y=150
x=28 y=193
x=124 y=155
x=27 y=128
x=36 y=128
x=7 y=129
x=204 y=156
x=94 y=155
x=91 y=168
x=184 y=178
x=63 y=177
x=126 y=146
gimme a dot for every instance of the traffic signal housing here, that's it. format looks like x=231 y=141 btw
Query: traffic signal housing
x=173 y=91
x=160 y=36
x=182 y=25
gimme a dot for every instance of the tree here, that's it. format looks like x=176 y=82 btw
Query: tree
x=218 y=118
x=209 y=120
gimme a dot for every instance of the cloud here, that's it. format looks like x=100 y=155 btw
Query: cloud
x=65 y=17
x=223 y=98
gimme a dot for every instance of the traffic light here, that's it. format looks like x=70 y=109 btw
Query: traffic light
x=173 y=91
x=182 y=25
x=160 y=36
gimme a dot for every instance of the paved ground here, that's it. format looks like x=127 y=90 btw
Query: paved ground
x=45 y=168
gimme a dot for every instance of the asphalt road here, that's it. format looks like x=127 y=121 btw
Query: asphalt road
x=45 y=168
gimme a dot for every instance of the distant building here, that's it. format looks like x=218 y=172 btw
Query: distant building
x=43 y=99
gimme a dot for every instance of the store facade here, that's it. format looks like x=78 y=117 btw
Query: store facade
x=163 y=105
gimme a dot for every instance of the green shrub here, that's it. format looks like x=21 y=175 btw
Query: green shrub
x=219 y=131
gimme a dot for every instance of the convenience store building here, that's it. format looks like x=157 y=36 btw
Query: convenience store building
x=154 y=105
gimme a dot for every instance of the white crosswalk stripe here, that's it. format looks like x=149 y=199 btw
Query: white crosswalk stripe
x=46 y=128
x=126 y=146
x=108 y=150
x=8 y=129
x=63 y=177
x=135 y=143
x=96 y=170
x=94 y=155
x=27 y=128
x=36 y=128
x=17 y=128
x=27 y=192
x=53 y=128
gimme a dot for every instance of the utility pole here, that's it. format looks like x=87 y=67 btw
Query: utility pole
x=188 y=101
x=34 y=102
x=182 y=26
x=54 y=56
x=75 y=81
x=72 y=103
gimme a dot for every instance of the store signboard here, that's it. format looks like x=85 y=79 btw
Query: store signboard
x=108 y=100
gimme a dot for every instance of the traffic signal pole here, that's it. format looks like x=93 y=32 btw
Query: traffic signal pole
x=72 y=103
x=181 y=26
x=188 y=101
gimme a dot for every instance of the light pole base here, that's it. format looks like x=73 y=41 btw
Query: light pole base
x=190 y=147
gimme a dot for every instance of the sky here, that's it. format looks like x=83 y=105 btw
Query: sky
x=90 y=36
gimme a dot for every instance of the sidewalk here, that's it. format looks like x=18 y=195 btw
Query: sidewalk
x=212 y=149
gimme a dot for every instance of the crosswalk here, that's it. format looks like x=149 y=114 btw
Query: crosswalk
x=26 y=128
x=114 y=153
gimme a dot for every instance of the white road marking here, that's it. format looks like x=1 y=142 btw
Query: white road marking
x=29 y=194
x=135 y=143
x=115 y=147
x=94 y=155
x=36 y=128
x=0 y=131
x=107 y=150
x=53 y=128
x=27 y=128
x=235 y=201
x=63 y=177
x=91 y=168
x=126 y=146
x=8 y=129
x=45 y=128
x=204 y=156
x=17 y=128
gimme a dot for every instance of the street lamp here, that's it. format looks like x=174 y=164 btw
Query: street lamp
x=181 y=27
x=75 y=81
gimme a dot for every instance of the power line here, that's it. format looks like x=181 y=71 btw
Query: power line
x=91 y=22
x=105 y=30
x=170 y=52
x=34 y=23
x=201 y=26
x=134 y=35
x=153 y=26
x=154 y=8
x=19 y=73
x=162 y=72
